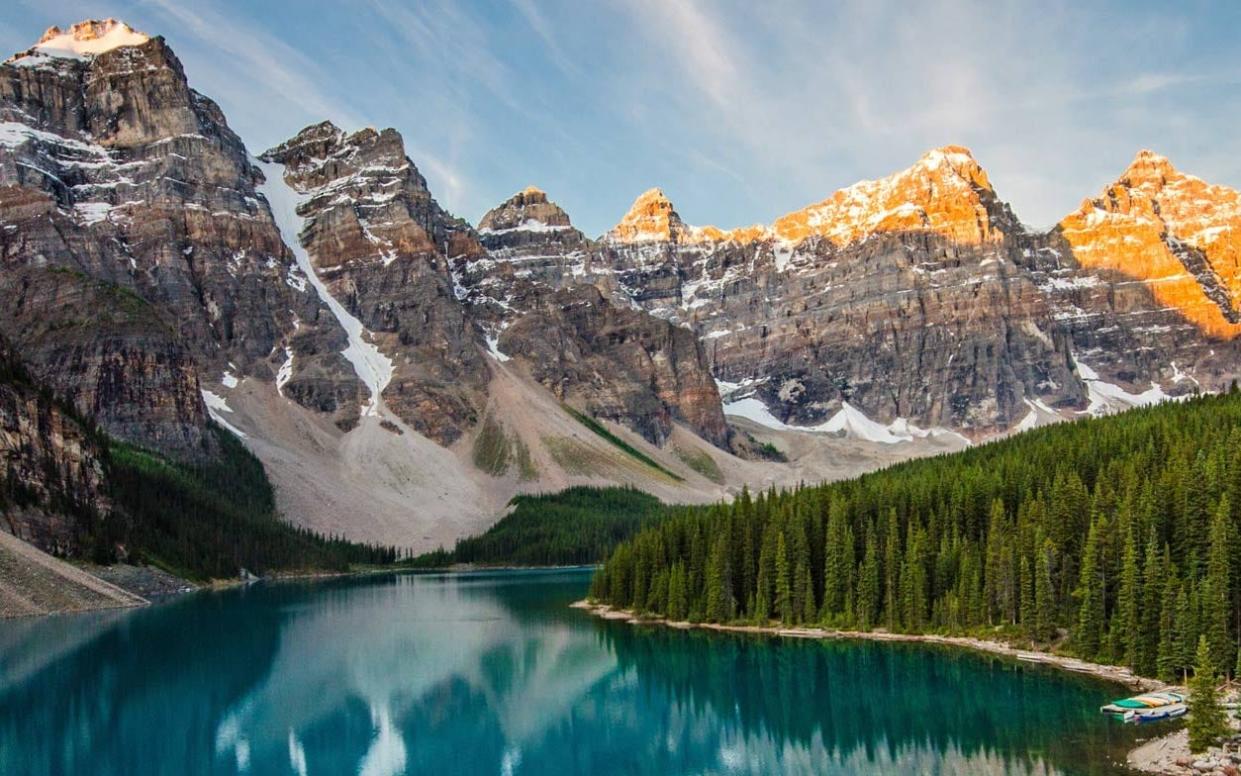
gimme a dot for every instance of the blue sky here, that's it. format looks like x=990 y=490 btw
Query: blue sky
x=740 y=111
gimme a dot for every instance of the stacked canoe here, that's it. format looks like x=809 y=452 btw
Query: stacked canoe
x=1150 y=707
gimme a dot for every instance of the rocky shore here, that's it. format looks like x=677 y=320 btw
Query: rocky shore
x=1170 y=754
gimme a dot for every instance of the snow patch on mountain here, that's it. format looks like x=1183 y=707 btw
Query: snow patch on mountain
x=1106 y=398
x=371 y=365
x=216 y=407
x=285 y=372
x=848 y=421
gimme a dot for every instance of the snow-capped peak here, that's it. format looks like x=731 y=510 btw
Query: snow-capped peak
x=1151 y=170
x=945 y=191
x=529 y=210
x=84 y=40
x=650 y=218
x=1173 y=231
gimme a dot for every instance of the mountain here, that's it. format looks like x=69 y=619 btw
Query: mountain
x=919 y=303
x=402 y=374
x=900 y=300
x=138 y=258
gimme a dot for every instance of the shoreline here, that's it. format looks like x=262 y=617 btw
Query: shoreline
x=1167 y=754
x=137 y=581
x=1117 y=674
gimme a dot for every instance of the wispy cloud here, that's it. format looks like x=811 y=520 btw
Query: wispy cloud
x=280 y=79
x=740 y=110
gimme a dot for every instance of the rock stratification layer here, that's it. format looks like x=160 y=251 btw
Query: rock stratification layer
x=534 y=299
x=1177 y=234
x=901 y=298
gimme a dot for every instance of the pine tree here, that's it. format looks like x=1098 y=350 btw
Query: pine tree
x=913 y=581
x=999 y=587
x=1168 y=656
x=765 y=586
x=849 y=561
x=1044 y=601
x=835 y=572
x=805 y=594
x=1185 y=628
x=1090 y=592
x=1152 y=599
x=803 y=589
x=892 y=572
x=1127 y=603
x=678 y=606
x=1207 y=723
x=1216 y=594
x=868 y=587
x=784 y=582
x=720 y=603
x=1027 y=596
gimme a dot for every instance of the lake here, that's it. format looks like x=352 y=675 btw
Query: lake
x=492 y=673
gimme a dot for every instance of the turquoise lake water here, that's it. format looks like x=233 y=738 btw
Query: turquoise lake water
x=493 y=674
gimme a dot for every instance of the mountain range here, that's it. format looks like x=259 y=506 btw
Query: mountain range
x=402 y=373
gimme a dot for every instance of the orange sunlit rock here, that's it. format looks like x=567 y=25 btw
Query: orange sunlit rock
x=1176 y=233
x=945 y=192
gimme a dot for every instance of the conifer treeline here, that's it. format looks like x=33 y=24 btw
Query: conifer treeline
x=575 y=526
x=1117 y=539
x=211 y=520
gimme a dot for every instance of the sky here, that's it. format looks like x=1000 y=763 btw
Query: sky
x=739 y=111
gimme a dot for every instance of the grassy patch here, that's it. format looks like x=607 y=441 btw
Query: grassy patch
x=619 y=443
x=491 y=448
x=526 y=468
x=575 y=457
x=701 y=462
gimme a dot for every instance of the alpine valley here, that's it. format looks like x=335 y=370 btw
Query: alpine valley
x=402 y=374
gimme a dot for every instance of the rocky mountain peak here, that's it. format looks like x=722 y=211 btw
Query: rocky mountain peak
x=954 y=160
x=81 y=41
x=651 y=218
x=946 y=191
x=1149 y=169
x=1175 y=232
x=528 y=209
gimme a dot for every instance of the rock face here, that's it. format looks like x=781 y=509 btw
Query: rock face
x=1177 y=234
x=532 y=297
x=50 y=465
x=900 y=298
x=108 y=352
x=921 y=299
x=382 y=246
x=111 y=166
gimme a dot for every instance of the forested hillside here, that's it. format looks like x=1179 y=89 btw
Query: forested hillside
x=1117 y=539
x=573 y=527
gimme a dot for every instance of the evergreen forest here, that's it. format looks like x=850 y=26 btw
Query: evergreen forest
x=1115 y=539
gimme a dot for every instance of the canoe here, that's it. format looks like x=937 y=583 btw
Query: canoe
x=1150 y=707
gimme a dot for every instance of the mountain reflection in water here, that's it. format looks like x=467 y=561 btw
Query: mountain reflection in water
x=492 y=673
